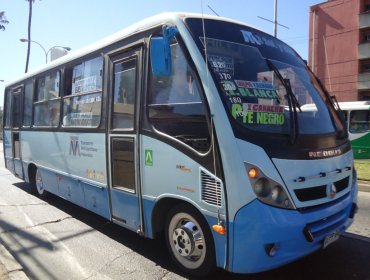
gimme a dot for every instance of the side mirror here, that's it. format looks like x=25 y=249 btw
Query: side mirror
x=160 y=52
x=160 y=56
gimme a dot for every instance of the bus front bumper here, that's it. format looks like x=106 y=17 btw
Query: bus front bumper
x=266 y=237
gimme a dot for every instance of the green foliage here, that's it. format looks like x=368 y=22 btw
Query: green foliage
x=3 y=20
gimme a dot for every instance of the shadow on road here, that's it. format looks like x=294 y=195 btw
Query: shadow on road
x=348 y=258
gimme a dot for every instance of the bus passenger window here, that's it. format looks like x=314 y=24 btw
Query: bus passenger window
x=176 y=107
x=47 y=101
x=83 y=94
x=359 y=121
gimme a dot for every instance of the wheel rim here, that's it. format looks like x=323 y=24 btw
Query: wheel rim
x=39 y=183
x=186 y=240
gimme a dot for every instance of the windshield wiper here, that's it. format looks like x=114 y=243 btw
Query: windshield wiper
x=292 y=95
x=292 y=102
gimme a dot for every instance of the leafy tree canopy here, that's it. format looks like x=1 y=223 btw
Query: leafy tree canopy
x=3 y=20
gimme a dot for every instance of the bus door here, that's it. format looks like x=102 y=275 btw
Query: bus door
x=16 y=109
x=123 y=139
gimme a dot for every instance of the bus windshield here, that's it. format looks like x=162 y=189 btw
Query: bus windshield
x=263 y=82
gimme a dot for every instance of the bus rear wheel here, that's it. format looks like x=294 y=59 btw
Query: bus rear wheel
x=38 y=185
x=189 y=241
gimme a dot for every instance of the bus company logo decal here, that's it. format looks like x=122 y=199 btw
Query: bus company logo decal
x=183 y=168
x=74 y=146
x=325 y=153
x=332 y=191
x=184 y=189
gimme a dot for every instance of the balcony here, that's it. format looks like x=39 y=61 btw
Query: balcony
x=364 y=20
x=364 y=50
x=363 y=82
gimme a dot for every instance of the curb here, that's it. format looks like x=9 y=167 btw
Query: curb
x=364 y=186
x=13 y=270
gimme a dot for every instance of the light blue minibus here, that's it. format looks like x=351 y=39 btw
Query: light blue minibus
x=190 y=126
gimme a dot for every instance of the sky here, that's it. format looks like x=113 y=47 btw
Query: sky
x=78 y=23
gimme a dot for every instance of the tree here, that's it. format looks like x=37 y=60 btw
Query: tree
x=30 y=2
x=29 y=33
x=3 y=20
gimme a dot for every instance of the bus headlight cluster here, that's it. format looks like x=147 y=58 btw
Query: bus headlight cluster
x=267 y=190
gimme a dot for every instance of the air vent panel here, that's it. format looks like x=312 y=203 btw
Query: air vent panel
x=211 y=189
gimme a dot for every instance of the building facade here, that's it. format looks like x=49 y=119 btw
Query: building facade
x=339 y=47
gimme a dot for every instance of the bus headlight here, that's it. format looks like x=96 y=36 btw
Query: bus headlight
x=267 y=190
x=262 y=187
x=277 y=194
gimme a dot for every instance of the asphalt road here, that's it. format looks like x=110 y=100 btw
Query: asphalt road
x=54 y=239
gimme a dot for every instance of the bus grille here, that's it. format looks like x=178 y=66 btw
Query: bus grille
x=211 y=189
x=319 y=192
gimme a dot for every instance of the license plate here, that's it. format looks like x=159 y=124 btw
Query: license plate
x=330 y=238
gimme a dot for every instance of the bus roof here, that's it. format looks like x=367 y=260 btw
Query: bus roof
x=346 y=106
x=116 y=37
x=354 y=105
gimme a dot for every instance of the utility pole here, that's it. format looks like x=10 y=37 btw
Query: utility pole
x=275 y=22
x=275 y=19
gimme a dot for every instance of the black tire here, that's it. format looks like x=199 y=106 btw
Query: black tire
x=37 y=184
x=32 y=179
x=189 y=241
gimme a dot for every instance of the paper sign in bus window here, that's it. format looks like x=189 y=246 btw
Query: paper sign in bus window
x=250 y=89
x=252 y=114
x=223 y=66
x=254 y=85
x=85 y=85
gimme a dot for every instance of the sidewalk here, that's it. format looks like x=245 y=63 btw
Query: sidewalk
x=9 y=267
x=364 y=186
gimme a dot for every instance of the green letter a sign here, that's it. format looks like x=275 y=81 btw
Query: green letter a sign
x=149 y=157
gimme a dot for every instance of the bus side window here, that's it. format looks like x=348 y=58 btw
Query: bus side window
x=359 y=121
x=176 y=107
x=47 y=101
x=83 y=94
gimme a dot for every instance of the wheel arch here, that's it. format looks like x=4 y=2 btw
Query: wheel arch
x=32 y=173
x=161 y=209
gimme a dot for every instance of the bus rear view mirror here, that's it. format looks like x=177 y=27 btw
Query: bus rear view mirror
x=160 y=56
x=160 y=52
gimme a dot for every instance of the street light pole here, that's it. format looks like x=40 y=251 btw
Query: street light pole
x=32 y=41
x=45 y=52
x=275 y=19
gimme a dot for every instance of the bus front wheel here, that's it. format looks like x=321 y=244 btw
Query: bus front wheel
x=189 y=240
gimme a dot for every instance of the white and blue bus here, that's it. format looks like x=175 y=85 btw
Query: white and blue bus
x=191 y=126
